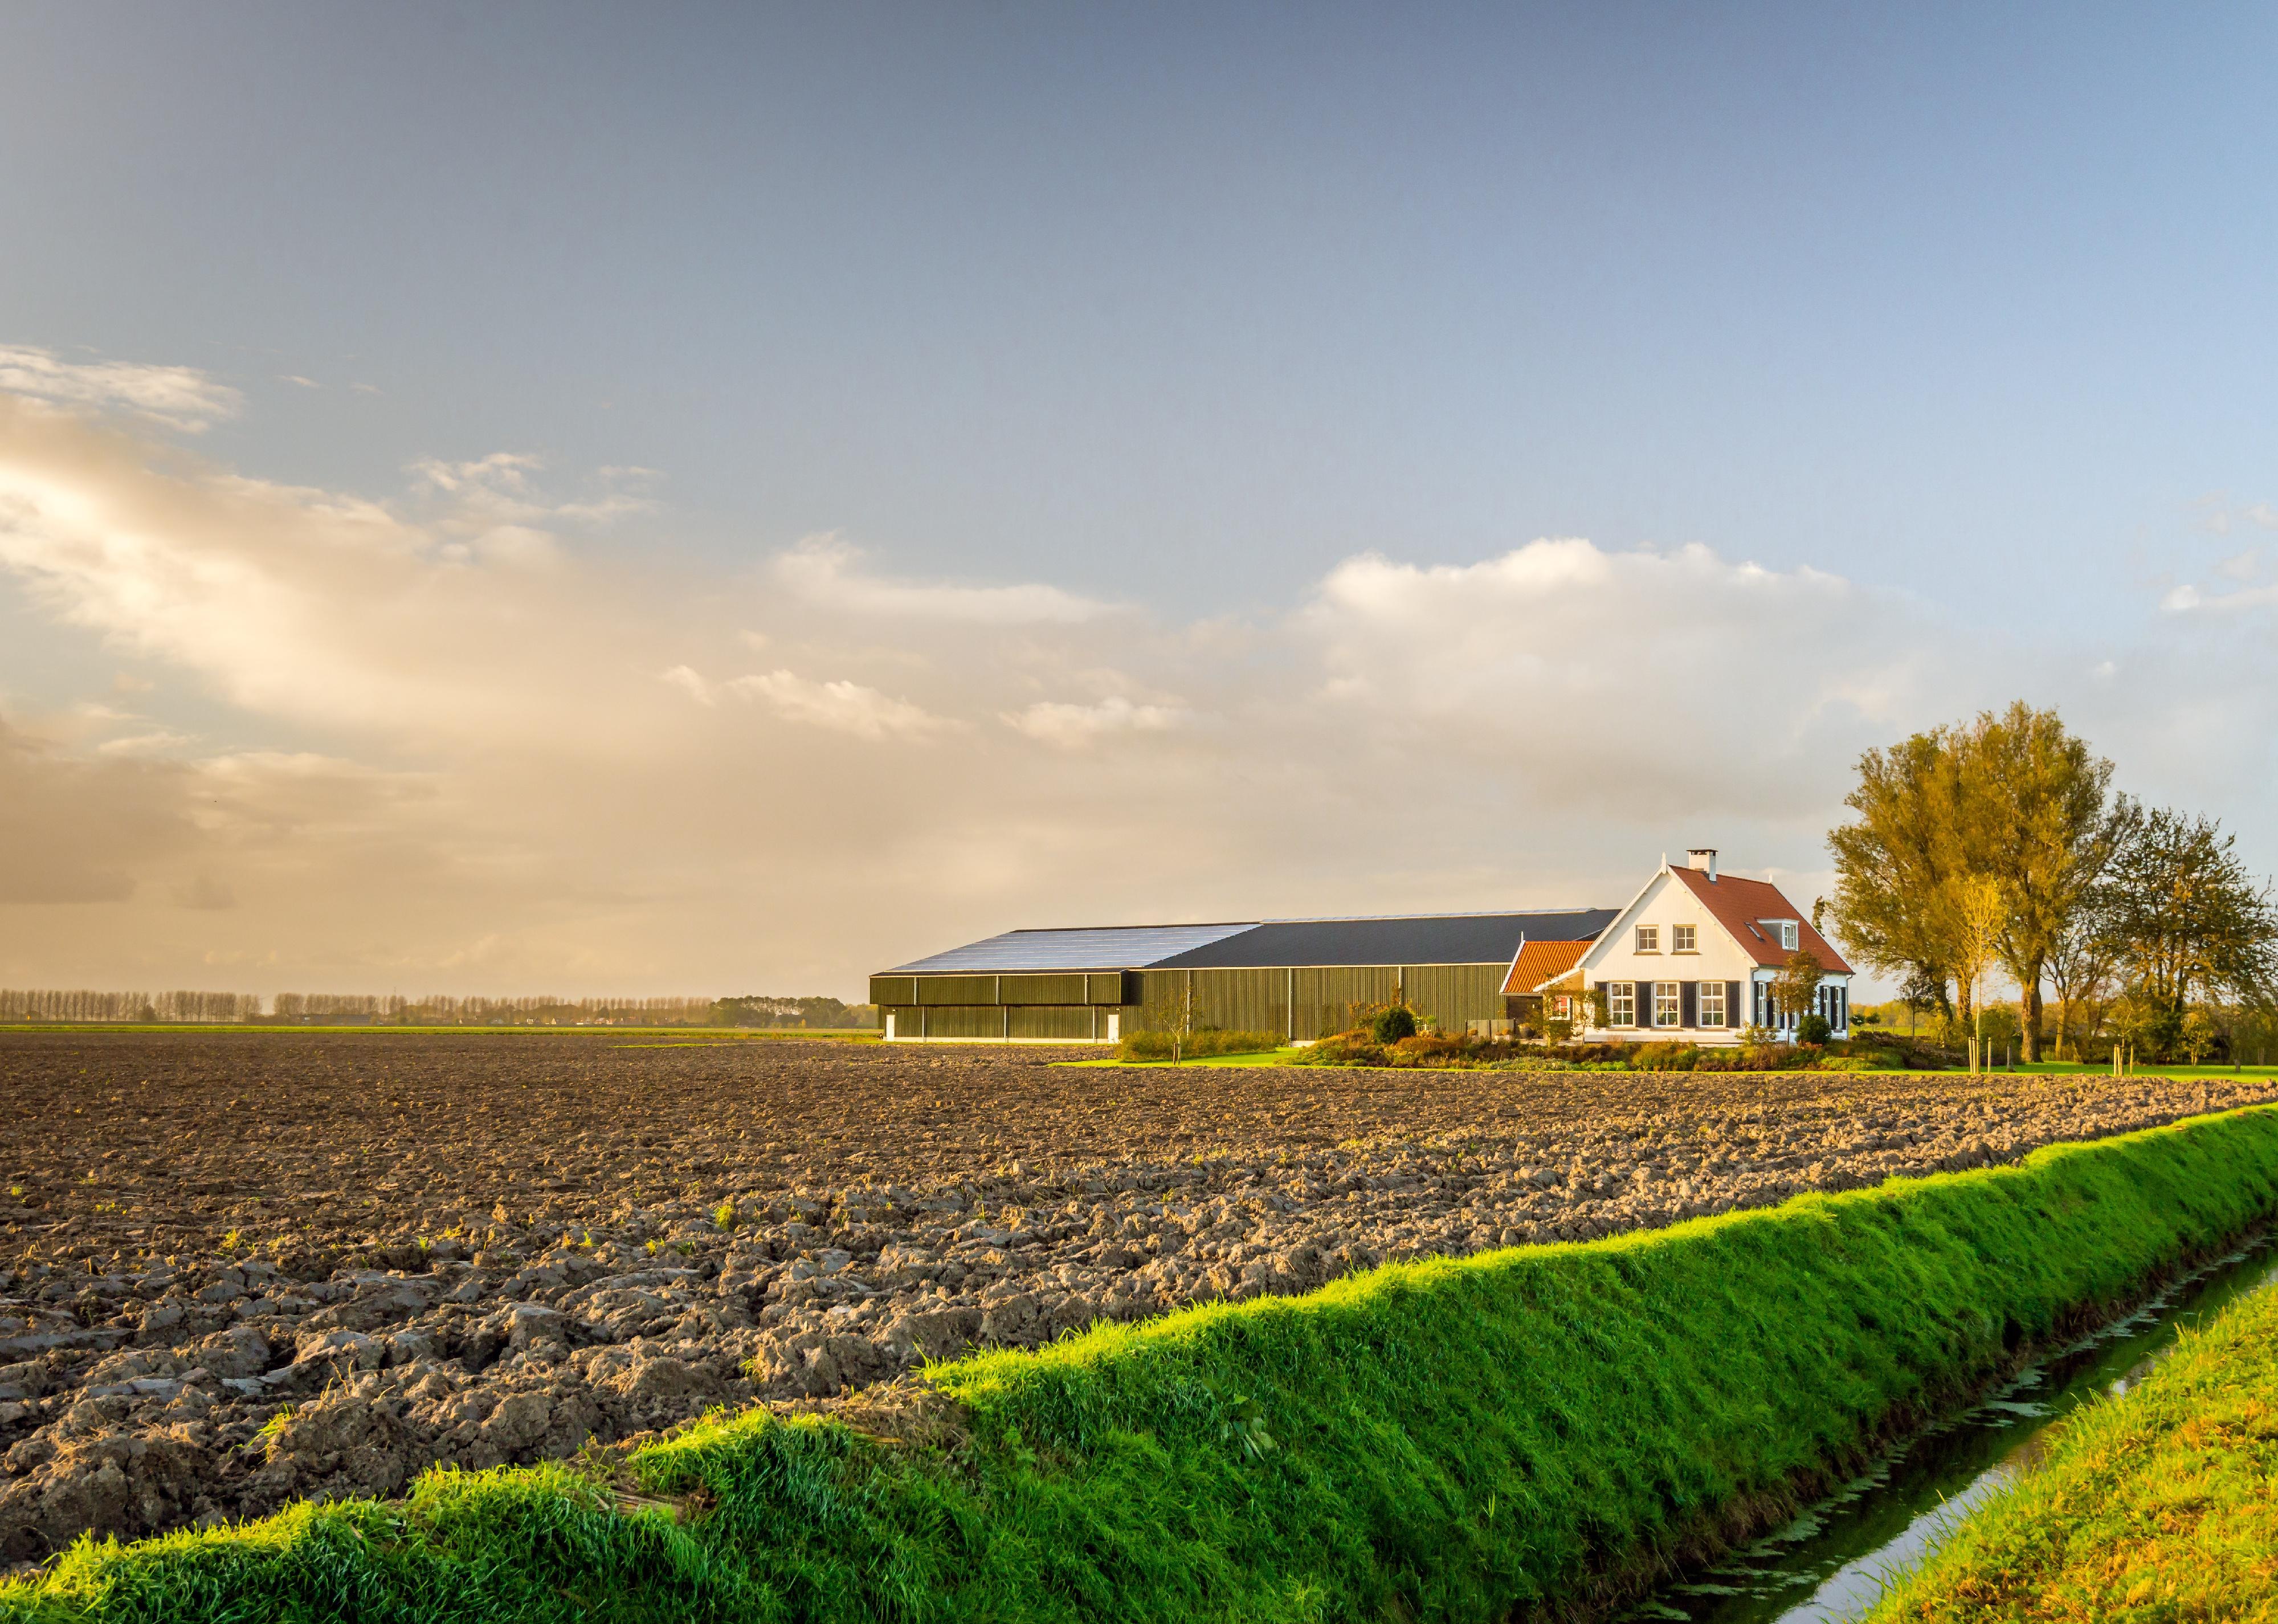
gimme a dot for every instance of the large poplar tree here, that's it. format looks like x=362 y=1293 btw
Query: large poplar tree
x=2040 y=820
x=1891 y=866
x=2014 y=800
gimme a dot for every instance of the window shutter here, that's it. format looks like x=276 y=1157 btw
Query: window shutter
x=1589 y=1017
x=1688 y=1003
x=1735 y=1012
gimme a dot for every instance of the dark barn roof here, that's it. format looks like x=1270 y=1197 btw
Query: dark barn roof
x=1429 y=939
x=1273 y=944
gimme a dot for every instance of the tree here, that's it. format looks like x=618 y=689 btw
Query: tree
x=1796 y=987
x=2189 y=919
x=1923 y=992
x=2084 y=961
x=1893 y=865
x=2038 y=817
x=2013 y=798
x=1973 y=912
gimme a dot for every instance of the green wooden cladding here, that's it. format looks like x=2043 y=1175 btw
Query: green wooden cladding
x=1032 y=1023
x=1107 y=988
x=1293 y=1003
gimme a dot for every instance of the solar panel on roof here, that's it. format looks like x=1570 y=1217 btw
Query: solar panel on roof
x=1095 y=948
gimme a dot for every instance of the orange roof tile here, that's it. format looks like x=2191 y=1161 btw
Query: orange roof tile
x=1539 y=961
x=1736 y=904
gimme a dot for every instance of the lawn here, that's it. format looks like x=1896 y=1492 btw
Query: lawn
x=2159 y=1505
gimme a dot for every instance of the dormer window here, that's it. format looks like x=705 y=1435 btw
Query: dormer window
x=1684 y=938
x=1787 y=930
x=1648 y=939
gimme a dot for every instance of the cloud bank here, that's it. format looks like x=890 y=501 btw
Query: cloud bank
x=468 y=736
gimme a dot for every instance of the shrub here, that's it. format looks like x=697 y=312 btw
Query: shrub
x=1845 y=1062
x=1424 y=1047
x=1665 y=1057
x=1393 y=1022
x=1754 y=1057
x=1195 y=1045
x=1814 y=1031
x=1345 y=1049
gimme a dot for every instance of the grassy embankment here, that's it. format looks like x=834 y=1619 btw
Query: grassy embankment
x=2161 y=1505
x=1450 y=1439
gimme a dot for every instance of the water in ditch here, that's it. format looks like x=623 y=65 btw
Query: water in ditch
x=1833 y=1562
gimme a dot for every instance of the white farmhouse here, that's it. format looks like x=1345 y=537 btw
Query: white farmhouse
x=1692 y=957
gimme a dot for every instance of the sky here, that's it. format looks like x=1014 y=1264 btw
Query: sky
x=688 y=499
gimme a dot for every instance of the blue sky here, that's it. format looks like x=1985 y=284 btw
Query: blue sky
x=1178 y=311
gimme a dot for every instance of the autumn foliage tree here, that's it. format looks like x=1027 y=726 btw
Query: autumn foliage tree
x=2013 y=801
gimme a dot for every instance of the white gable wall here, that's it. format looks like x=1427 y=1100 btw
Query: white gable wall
x=1664 y=904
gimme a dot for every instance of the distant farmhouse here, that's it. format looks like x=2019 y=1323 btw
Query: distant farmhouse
x=1691 y=957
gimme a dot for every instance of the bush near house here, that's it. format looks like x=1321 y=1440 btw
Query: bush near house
x=1360 y=1048
x=1195 y=1045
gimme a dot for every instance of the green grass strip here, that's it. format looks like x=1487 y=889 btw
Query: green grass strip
x=2161 y=1505
x=1448 y=1439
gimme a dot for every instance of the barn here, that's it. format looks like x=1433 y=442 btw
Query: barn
x=1301 y=978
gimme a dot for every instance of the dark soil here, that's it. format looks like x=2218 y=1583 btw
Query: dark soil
x=394 y=1251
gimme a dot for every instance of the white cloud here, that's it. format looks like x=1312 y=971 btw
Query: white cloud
x=306 y=604
x=824 y=570
x=181 y=397
x=838 y=707
x=141 y=744
x=2188 y=599
x=1074 y=726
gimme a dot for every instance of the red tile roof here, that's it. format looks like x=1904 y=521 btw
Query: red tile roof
x=1736 y=904
x=1539 y=961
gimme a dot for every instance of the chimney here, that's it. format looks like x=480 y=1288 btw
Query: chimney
x=1704 y=858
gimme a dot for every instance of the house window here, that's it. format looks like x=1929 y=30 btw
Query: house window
x=1665 y=1003
x=1621 y=1003
x=1648 y=939
x=1788 y=934
x=1712 y=1003
x=1561 y=1009
x=1684 y=938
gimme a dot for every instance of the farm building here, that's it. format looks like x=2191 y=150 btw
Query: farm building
x=1692 y=958
x=1693 y=955
x=1301 y=978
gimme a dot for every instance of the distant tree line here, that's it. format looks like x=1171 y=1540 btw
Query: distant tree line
x=754 y=1010
x=2000 y=845
x=356 y=1008
x=83 y=1004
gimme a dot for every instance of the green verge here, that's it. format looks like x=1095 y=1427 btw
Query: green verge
x=2156 y=1506
x=1447 y=1439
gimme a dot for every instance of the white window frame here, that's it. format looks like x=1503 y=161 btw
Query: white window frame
x=1674 y=995
x=1711 y=992
x=1648 y=939
x=1685 y=939
x=1621 y=1003
x=1791 y=938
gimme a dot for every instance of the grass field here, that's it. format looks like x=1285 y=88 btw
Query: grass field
x=2161 y=1504
x=1443 y=1440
